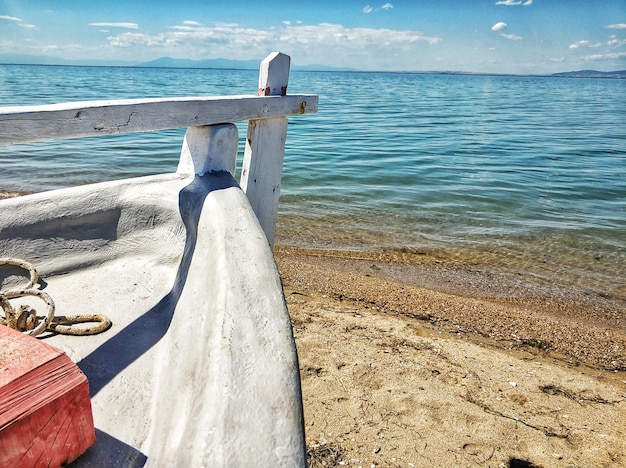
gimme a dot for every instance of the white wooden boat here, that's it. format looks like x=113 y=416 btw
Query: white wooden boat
x=199 y=367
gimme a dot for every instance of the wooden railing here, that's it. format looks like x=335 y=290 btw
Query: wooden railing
x=209 y=122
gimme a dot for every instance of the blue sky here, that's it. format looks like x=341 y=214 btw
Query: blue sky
x=494 y=36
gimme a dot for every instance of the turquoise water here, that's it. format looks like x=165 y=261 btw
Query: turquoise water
x=525 y=172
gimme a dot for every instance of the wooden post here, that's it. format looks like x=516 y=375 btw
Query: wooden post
x=262 y=167
x=209 y=148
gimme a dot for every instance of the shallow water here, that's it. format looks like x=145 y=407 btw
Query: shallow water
x=525 y=173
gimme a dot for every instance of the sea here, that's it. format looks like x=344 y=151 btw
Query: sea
x=524 y=173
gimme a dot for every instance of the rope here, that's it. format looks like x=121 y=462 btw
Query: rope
x=25 y=319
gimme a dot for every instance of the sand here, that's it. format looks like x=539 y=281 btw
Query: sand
x=414 y=361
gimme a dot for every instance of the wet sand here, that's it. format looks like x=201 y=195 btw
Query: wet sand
x=413 y=359
x=511 y=310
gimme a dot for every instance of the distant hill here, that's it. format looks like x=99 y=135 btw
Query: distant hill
x=592 y=74
x=163 y=62
x=220 y=63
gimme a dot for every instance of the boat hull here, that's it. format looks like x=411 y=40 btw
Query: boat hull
x=199 y=367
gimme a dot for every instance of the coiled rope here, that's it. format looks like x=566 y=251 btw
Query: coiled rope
x=25 y=319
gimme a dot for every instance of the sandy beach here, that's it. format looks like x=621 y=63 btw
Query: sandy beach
x=410 y=359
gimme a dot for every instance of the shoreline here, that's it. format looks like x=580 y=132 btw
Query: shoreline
x=510 y=311
x=4 y=194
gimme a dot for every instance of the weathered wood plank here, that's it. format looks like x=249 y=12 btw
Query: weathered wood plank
x=92 y=118
x=262 y=167
x=274 y=75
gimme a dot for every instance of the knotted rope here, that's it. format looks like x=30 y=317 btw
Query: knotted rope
x=25 y=319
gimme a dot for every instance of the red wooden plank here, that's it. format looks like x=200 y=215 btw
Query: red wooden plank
x=45 y=409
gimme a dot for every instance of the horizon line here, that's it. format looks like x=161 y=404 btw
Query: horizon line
x=295 y=67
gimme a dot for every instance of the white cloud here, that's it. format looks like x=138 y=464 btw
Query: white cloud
x=615 y=42
x=605 y=50
x=369 y=8
x=616 y=26
x=351 y=46
x=500 y=27
x=19 y=21
x=191 y=23
x=579 y=44
x=116 y=25
x=514 y=2
x=183 y=28
x=512 y=37
x=11 y=18
x=611 y=56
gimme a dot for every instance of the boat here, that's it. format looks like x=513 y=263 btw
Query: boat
x=198 y=366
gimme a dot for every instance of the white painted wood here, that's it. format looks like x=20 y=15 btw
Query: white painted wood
x=209 y=148
x=274 y=75
x=83 y=119
x=262 y=169
x=265 y=147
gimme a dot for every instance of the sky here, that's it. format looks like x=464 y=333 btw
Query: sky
x=491 y=36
